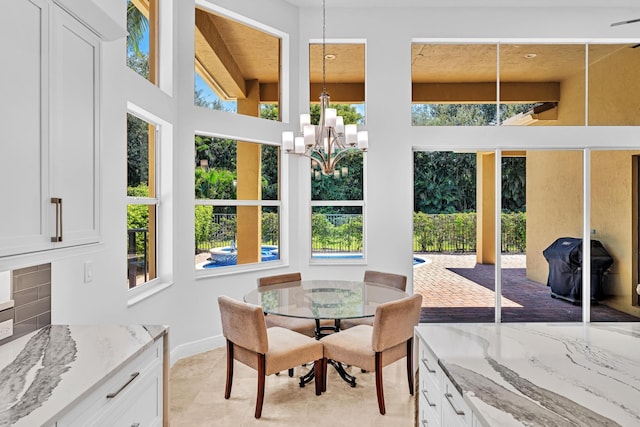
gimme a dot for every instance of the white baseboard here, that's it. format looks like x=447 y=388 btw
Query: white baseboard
x=196 y=347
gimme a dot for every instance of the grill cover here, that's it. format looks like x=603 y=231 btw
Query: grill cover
x=565 y=268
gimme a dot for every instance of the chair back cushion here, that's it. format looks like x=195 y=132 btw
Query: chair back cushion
x=243 y=324
x=280 y=278
x=390 y=279
x=394 y=322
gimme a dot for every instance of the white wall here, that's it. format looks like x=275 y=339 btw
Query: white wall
x=189 y=306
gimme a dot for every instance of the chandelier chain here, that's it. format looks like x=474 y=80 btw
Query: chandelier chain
x=324 y=53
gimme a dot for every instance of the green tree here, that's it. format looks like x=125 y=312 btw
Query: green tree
x=444 y=182
x=137 y=151
x=343 y=187
x=215 y=184
x=269 y=112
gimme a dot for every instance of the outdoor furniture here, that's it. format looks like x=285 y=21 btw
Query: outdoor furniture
x=267 y=350
x=373 y=347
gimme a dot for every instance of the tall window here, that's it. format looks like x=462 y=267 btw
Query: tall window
x=337 y=201
x=337 y=211
x=237 y=208
x=237 y=66
x=142 y=50
x=142 y=201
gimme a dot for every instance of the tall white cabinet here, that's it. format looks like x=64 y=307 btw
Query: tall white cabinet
x=49 y=137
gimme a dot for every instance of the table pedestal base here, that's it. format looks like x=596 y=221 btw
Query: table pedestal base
x=348 y=378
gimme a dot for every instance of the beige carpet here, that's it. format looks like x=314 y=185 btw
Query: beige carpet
x=197 y=397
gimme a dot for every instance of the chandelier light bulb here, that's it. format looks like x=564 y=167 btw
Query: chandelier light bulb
x=329 y=141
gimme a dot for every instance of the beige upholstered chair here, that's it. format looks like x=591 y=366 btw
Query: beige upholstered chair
x=266 y=350
x=303 y=326
x=373 y=347
x=389 y=279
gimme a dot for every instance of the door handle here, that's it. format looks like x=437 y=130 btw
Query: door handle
x=58 y=202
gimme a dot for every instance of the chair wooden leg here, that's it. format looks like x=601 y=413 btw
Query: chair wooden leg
x=318 y=368
x=410 y=364
x=324 y=374
x=379 y=389
x=262 y=361
x=227 y=389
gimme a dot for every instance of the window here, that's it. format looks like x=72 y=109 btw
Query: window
x=535 y=84
x=142 y=201
x=337 y=201
x=337 y=211
x=142 y=50
x=237 y=208
x=237 y=66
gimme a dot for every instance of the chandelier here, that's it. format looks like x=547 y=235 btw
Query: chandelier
x=330 y=140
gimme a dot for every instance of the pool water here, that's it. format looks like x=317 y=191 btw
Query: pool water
x=226 y=256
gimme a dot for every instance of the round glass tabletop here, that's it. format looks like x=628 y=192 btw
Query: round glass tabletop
x=323 y=299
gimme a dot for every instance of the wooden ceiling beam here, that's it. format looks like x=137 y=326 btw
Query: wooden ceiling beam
x=485 y=93
x=214 y=61
x=340 y=93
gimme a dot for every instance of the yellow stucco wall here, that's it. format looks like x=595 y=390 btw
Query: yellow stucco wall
x=554 y=178
x=612 y=218
x=554 y=204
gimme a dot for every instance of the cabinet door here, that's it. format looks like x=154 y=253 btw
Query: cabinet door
x=75 y=60
x=23 y=130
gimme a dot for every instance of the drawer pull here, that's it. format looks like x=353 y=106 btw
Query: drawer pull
x=426 y=397
x=135 y=425
x=449 y=397
x=131 y=378
x=425 y=423
x=429 y=369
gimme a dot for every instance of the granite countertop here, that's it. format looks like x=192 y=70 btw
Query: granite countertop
x=543 y=374
x=43 y=373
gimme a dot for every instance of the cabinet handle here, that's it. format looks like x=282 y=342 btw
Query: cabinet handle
x=426 y=397
x=117 y=392
x=58 y=202
x=449 y=397
x=135 y=425
x=429 y=369
x=425 y=423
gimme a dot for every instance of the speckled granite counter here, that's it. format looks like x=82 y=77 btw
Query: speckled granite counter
x=46 y=372
x=542 y=374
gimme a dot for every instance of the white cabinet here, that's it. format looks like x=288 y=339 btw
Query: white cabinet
x=49 y=134
x=132 y=397
x=440 y=402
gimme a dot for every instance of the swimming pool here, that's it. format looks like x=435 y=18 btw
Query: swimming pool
x=226 y=256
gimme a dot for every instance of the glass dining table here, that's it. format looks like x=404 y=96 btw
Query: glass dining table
x=334 y=300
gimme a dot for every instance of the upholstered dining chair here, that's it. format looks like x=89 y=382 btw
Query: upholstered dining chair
x=267 y=350
x=398 y=281
x=374 y=347
x=303 y=326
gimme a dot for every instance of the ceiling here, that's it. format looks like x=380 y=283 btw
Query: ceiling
x=463 y=3
x=229 y=54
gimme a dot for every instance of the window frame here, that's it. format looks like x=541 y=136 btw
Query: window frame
x=163 y=227
x=357 y=203
x=283 y=216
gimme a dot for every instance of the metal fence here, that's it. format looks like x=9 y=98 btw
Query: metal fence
x=456 y=233
x=448 y=233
